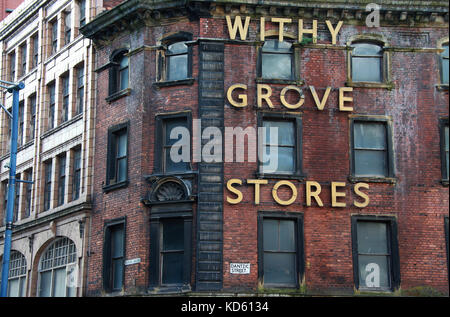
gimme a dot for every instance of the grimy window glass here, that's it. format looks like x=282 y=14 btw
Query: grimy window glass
x=444 y=64
x=35 y=50
x=373 y=255
x=21 y=123
x=82 y=12
x=23 y=56
x=51 y=107
x=279 y=252
x=117 y=256
x=17 y=275
x=123 y=73
x=172 y=251
x=32 y=122
x=367 y=62
x=61 y=178
x=54 y=36
x=12 y=67
x=169 y=145
x=47 y=184
x=54 y=269
x=65 y=95
x=28 y=192
x=67 y=27
x=177 y=61
x=118 y=156
x=276 y=60
x=370 y=149
x=76 y=174
x=80 y=89
x=285 y=145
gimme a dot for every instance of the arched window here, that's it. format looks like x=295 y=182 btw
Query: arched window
x=277 y=60
x=56 y=269
x=118 y=74
x=17 y=275
x=174 y=59
x=177 y=61
x=367 y=62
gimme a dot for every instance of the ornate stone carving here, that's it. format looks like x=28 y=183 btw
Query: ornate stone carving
x=170 y=191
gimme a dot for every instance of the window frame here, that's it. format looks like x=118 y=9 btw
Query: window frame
x=61 y=179
x=161 y=119
x=443 y=122
x=297 y=118
x=373 y=39
x=20 y=270
x=67 y=28
x=12 y=66
x=47 y=188
x=294 y=61
x=65 y=97
x=440 y=45
x=53 y=30
x=51 y=90
x=298 y=218
x=32 y=117
x=392 y=240
x=112 y=135
x=108 y=282
x=390 y=177
x=162 y=59
x=114 y=85
x=82 y=13
x=76 y=173
x=23 y=59
x=35 y=44
x=21 y=124
x=28 y=202
x=80 y=88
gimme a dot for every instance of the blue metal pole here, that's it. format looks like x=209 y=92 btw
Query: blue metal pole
x=11 y=188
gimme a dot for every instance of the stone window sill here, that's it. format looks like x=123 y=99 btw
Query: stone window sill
x=61 y=126
x=118 y=95
x=295 y=176
x=111 y=187
x=297 y=82
x=387 y=180
x=170 y=83
x=386 y=85
x=444 y=182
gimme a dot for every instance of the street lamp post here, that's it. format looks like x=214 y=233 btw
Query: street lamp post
x=14 y=89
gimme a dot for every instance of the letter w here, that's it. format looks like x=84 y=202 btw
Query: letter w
x=232 y=29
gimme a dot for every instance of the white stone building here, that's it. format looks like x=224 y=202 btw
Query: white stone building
x=41 y=46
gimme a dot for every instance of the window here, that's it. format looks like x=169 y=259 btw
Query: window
x=21 y=123
x=280 y=244
x=118 y=75
x=82 y=12
x=23 y=57
x=444 y=64
x=28 y=192
x=5 y=200
x=76 y=174
x=371 y=148
x=165 y=124
x=177 y=61
x=117 y=155
x=367 y=62
x=54 y=36
x=47 y=184
x=444 y=149
x=17 y=275
x=67 y=27
x=61 y=178
x=287 y=145
x=114 y=255
x=16 y=200
x=65 y=98
x=375 y=253
x=51 y=106
x=80 y=90
x=32 y=117
x=35 y=43
x=174 y=59
x=12 y=67
x=277 y=60
x=56 y=265
x=171 y=251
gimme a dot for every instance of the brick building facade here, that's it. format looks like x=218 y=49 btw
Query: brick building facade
x=359 y=198
x=42 y=47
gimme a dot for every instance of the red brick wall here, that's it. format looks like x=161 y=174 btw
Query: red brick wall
x=418 y=200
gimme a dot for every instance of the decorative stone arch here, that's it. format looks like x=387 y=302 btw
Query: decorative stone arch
x=169 y=189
